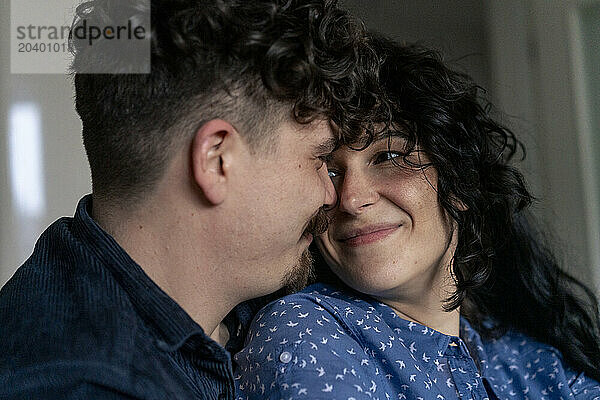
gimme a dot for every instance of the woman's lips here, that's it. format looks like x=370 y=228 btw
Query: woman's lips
x=369 y=235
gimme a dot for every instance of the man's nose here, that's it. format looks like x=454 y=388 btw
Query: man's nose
x=330 y=193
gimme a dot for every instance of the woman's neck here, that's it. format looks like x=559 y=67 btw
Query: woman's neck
x=433 y=317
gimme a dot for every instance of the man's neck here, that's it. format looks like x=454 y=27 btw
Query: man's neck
x=162 y=249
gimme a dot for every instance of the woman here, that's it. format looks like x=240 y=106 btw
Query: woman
x=447 y=291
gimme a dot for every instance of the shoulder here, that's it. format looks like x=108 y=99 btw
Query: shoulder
x=318 y=310
x=59 y=308
x=540 y=366
x=304 y=340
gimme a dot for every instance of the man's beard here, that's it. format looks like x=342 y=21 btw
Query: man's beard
x=297 y=278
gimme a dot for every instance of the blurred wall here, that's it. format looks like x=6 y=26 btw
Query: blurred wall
x=63 y=166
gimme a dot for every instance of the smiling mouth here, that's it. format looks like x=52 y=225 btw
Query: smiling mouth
x=370 y=236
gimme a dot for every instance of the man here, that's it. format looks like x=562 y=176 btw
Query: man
x=208 y=182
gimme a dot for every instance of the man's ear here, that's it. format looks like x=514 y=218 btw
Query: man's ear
x=212 y=150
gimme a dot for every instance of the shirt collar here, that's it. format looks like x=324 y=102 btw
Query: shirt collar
x=173 y=327
x=468 y=343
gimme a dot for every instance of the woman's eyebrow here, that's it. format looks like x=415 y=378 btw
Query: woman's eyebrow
x=387 y=134
x=327 y=146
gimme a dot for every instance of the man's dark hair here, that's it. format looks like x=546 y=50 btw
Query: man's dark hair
x=251 y=62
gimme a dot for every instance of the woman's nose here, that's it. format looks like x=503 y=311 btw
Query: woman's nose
x=356 y=193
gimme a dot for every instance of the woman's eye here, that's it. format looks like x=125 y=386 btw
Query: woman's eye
x=386 y=156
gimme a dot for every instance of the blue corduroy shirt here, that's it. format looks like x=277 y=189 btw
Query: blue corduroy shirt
x=81 y=320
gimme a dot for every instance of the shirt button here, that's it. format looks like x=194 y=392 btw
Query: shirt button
x=285 y=357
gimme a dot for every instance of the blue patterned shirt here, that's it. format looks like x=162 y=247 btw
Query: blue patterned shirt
x=327 y=344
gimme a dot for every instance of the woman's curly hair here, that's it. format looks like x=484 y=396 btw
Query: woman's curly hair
x=506 y=275
x=250 y=62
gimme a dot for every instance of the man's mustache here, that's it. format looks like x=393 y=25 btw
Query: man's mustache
x=319 y=223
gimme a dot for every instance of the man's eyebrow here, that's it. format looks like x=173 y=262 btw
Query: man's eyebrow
x=327 y=146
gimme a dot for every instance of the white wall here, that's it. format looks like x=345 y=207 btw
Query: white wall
x=63 y=160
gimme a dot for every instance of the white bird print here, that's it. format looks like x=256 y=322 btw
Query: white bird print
x=292 y=324
x=364 y=361
x=439 y=396
x=440 y=366
x=284 y=341
x=302 y=391
x=300 y=315
x=328 y=388
x=512 y=367
x=360 y=322
x=351 y=351
x=427 y=385
x=262 y=324
x=281 y=302
x=320 y=322
x=412 y=378
x=449 y=382
x=324 y=341
x=273 y=329
x=412 y=347
x=281 y=314
x=324 y=318
x=382 y=346
x=313 y=359
x=411 y=325
x=268 y=339
x=425 y=330
x=353 y=372
x=376 y=329
x=295 y=385
x=469 y=387
x=334 y=336
x=339 y=376
x=321 y=371
x=285 y=386
x=425 y=358
x=367 y=327
x=261 y=349
x=358 y=388
x=401 y=364
x=269 y=357
x=308 y=331
x=301 y=335
x=303 y=364
x=274 y=313
x=313 y=346
x=373 y=387
x=319 y=308
x=401 y=396
x=297 y=306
